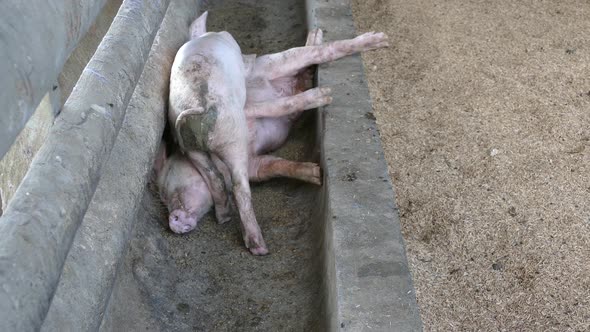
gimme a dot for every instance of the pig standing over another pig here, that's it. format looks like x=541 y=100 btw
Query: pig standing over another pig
x=207 y=99
x=227 y=109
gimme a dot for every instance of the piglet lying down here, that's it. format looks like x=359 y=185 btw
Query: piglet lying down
x=227 y=110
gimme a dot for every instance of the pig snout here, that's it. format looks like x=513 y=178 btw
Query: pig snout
x=181 y=222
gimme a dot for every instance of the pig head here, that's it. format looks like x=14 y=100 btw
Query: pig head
x=182 y=190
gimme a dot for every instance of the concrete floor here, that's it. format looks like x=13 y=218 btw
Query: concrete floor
x=482 y=108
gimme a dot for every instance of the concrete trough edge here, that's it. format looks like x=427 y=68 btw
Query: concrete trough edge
x=40 y=223
x=367 y=282
x=100 y=243
x=37 y=38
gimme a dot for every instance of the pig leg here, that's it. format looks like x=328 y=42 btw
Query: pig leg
x=222 y=169
x=262 y=168
x=266 y=167
x=215 y=182
x=314 y=38
x=290 y=62
x=237 y=161
x=307 y=100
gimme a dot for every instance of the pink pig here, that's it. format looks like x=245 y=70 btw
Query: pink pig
x=227 y=110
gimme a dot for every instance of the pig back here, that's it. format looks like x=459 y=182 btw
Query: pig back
x=207 y=86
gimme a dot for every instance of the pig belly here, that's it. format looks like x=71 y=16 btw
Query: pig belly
x=270 y=134
x=260 y=89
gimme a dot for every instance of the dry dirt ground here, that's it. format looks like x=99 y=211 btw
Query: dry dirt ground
x=484 y=112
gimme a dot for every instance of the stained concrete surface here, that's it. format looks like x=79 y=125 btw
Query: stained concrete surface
x=15 y=164
x=81 y=55
x=36 y=41
x=206 y=280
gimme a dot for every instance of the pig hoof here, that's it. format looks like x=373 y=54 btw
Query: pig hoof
x=222 y=217
x=311 y=173
x=259 y=251
x=316 y=175
x=222 y=221
x=373 y=40
x=318 y=97
x=318 y=92
x=255 y=243
x=325 y=91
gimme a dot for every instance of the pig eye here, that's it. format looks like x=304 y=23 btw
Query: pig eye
x=175 y=218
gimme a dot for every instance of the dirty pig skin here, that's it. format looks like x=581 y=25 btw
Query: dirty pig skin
x=227 y=110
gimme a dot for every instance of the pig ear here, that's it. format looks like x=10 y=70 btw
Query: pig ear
x=160 y=158
x=199 y=26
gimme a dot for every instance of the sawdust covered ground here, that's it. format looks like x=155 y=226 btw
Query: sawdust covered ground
x=484 y=113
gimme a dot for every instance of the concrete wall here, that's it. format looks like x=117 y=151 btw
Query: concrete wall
x=15 y=164
x=367 y=283
x=82 y=54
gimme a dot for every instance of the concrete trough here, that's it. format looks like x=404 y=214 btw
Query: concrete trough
x=337 y=257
